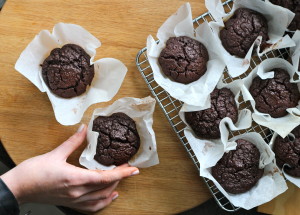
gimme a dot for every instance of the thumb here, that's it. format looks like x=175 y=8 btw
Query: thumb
x=69 y=146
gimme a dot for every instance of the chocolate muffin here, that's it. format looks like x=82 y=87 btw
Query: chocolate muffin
x=205 y=123
x=183 y=59
x=287 y=151
x=294 y=6
x=275 y=95
x=238 y=170
x=118 y=139
x=242 y=29
x=67 y=71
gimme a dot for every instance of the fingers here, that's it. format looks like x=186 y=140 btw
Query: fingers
x=94 y=206
x=98 y=194
x=69 y=146
x=109 y=176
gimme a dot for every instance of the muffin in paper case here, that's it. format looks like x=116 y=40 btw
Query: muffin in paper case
x=141 y=111
x=181 y=24
x=282 y=125
x=270 y=185
x=244 y=116
x=107 y=70
x=294 y=180
x=278 y=19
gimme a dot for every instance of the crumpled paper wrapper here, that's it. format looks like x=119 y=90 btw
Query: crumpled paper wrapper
x=295 y=51
x=290 y=178
x=278 y=19
x=283 y=125
x=141 y=111
x=181 y=24
x=107 y=70
x=268 y=187
x=244 y=117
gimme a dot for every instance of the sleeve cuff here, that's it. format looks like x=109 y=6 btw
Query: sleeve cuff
x=8 y=203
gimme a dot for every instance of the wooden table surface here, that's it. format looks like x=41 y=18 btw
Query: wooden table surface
x=27 y=124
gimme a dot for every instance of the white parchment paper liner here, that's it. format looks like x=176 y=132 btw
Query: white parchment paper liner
x=244 y=116
x=181 y=24
x=268 y=187
x=294 y=180
x=283 y=125
x=141 y=111
x=295 y=51
x=107 y=70
x=287 y=30
x=278 y=19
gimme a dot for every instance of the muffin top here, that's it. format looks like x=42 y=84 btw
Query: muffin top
x=242 y=29
x=67 y=71
x=287 y=151
x=183 y=59
x=205 y=123
x=238 y=170
x=275 y=95
x=118 y=139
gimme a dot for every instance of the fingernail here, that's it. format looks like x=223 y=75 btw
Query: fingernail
x=115 y=196
x=80 y=128
x=135 y=172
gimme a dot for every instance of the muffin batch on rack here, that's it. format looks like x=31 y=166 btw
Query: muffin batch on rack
x=239 y=166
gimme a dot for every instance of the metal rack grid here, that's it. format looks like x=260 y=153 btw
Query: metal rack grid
x=171 y=106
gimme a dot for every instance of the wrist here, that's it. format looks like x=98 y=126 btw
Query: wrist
x=13 y=183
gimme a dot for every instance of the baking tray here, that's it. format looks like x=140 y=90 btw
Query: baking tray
x=171 y=106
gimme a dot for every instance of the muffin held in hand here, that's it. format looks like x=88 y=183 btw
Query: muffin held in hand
x=274 y=95
x=242 y=29
x=294 y=6
x=287 y=151
x=183 y=59
x=238 y=170
x=67 y=71
x=205 y=123
x=118 y=139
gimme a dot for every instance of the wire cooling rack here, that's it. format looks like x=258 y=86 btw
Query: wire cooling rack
x=171 y=106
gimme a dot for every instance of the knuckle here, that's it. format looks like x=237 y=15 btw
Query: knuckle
x=68 y=180
x=73 y=194
x=70 y=141
x=73 y=138
x=105 y=180
x=105 y=195
x=94 y=207
x=74 y=180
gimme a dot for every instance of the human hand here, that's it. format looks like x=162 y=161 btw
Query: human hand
x=48 y=178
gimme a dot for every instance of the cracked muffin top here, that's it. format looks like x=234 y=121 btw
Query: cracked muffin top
x=294 y=6
x=287 y=151
x=238 y=170
x=275 y=95
x=118 y=139
x=67 y=71
x=183 y=59
x=205 y=123
x=242 y=29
